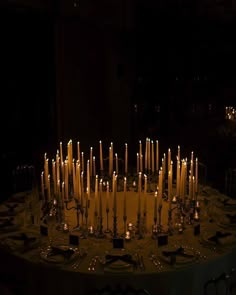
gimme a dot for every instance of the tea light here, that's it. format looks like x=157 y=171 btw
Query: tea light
x=134 y=183
x=127 y=236
x=65 y=227
x=90 y=230
x=130 y=226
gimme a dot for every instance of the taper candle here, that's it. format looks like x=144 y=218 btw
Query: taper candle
x=157 y=155
x=125 y=188
x=153 y=160
x=101 y=155
x=126 y=158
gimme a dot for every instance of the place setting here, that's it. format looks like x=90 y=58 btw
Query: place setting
x=20 y=241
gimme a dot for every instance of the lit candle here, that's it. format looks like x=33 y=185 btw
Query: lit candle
x=66 y=181
x=164 y=165
x=153 y=167
x=191 y=168
x=157 y=155
x=169 y=189
x=94 y=166
x=46 y=172
x=114 y=194
x=146 y=154
x=196 y=176
x=96 y=196
x=160 y=192
x=141 y=163
x=61 y=153
x=91 y=162
x=107 y=200
x=100 y=199
x=138 y=163
x=149 y=155
x=110 y=162
x=140 y=156
x=178 y=154
x=125 y=188
x=101 y=156
x=117 y=168
x=145 y=194
x=42 y=186
x=58 y=190
x=139 y=192
x=82 y=189
x=49 y=188
x=190 y=187
x=78 y=180
x=88 y=179
x=178 y=177
x=193 y=187
x=57 y=166
x=63 y=171
x=74 y=180
x=169 y=159
x=78 y=151
x=112 y=157
x=155 y=206
x=126 y=158
x=82 y=161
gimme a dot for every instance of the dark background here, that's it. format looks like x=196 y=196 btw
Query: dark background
x=118 y=71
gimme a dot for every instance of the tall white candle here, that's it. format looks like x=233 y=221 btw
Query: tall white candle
x=96 y=196
x=157 y=155
x=125 y=188
x=78 y=181
x=146 y=154
x=94 y=166
x=178 y=153
x=75 y=186
x=114 y=194
x=112 y=157
x=88 y=179
x=91 y=162
x=145 y=194
x=82 y=189
x=100 y=199
x=78 y=151
x=101 y=155
x=107 y=199
x=42 y=186
x=110 y=162
x=169 y=159
x=126 y=158
x=139 y=192
x=149 y=154
x=155 y=205
x=49 y=188
x=61 y=153
x=137 y=164
x=160 y=192
x=196 y=176
x=140 y=156
x=82 y=161
x=117 y=168
x=153 y=160
x=66 y=180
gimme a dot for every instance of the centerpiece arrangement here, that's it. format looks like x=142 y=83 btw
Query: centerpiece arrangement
x=71 y=181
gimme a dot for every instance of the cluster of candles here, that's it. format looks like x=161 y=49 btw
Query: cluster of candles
x=69 y=178
x=230 y=113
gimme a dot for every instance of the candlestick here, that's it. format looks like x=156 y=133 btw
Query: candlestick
x=126 y=159
x=101 y=155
